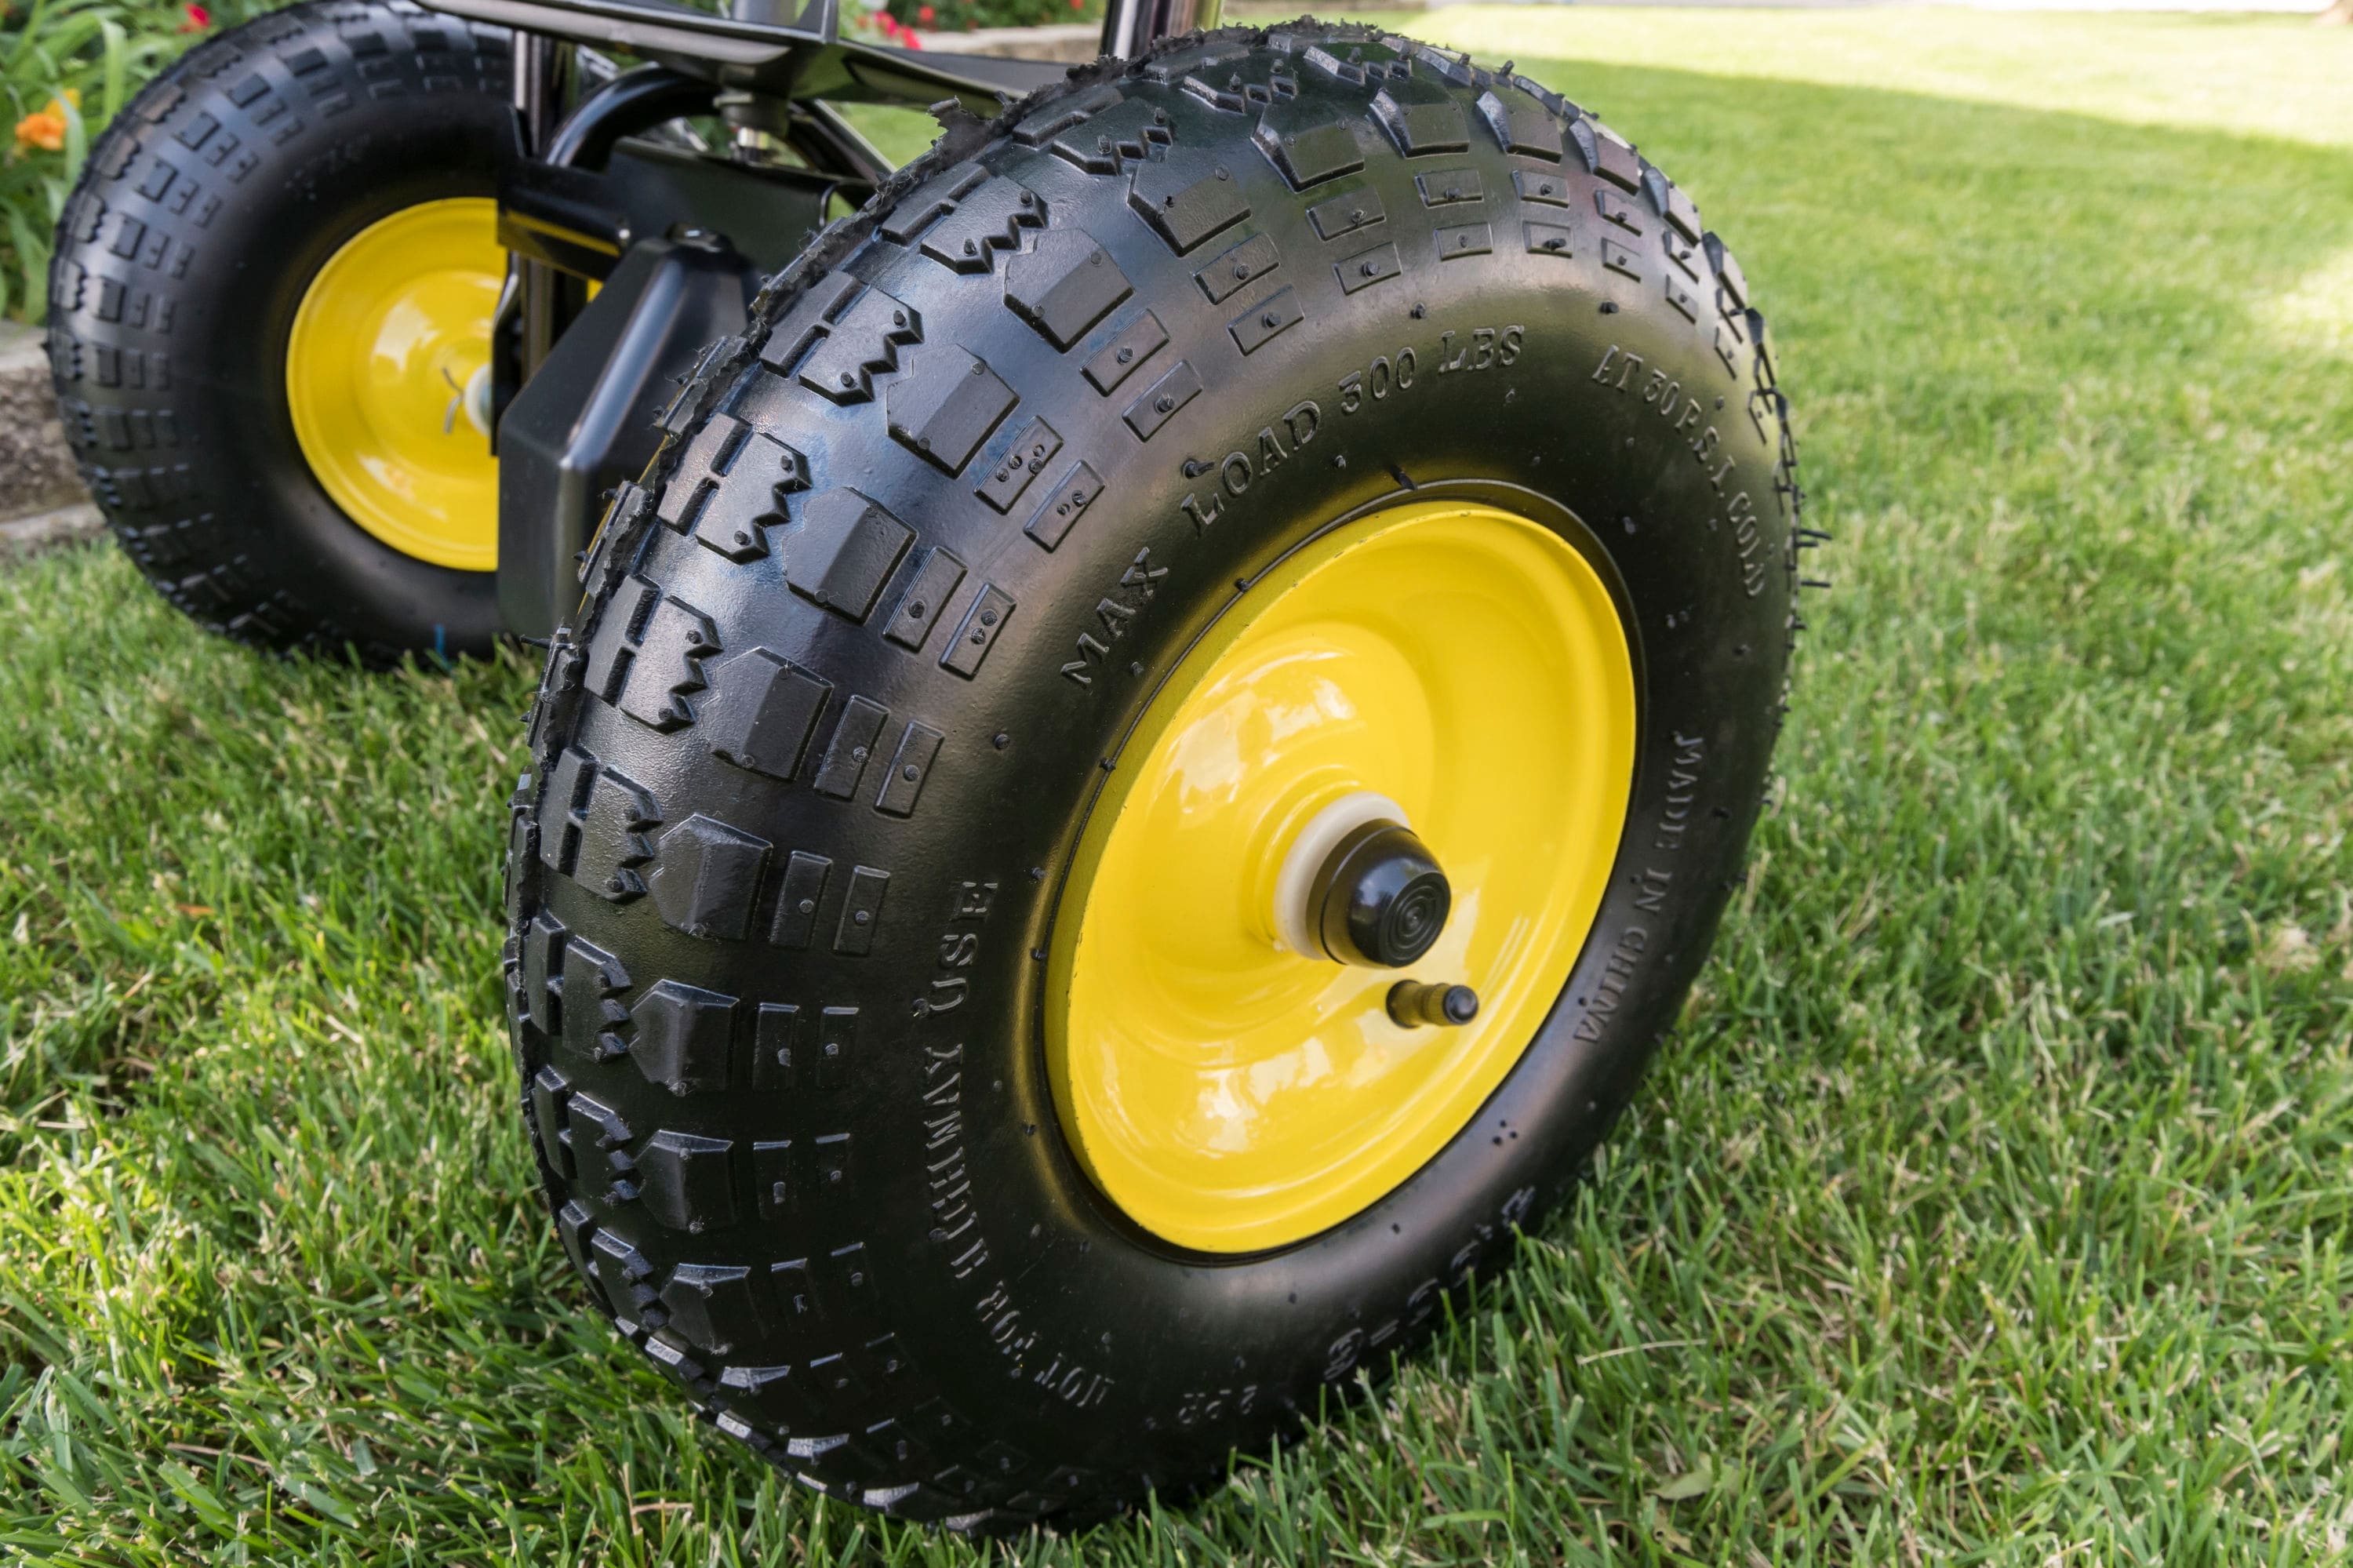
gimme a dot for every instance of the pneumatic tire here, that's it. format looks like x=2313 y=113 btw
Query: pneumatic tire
x=206 y=210
x=862 y=647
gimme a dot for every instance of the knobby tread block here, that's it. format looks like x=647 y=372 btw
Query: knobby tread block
x=842 y=549
x=1240 y=263
x=706 y=877
x=986 y=220
x=946 y=405
x=1186 y=200
x=929 y=587
x=1346 y=213
x=761 y=711
x=852 y=744
x=1064 y=285
x=684 y=1036
x=983 y=623
x=1033 y=445
x=1126 y=353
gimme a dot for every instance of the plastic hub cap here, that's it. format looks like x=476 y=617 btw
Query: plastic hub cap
x=1381 y=899
x=384 y=379
x=1444 y=667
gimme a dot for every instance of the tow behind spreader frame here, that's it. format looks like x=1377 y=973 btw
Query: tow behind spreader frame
x=629 y=254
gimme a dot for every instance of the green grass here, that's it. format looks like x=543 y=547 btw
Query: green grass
x=1992 y=1204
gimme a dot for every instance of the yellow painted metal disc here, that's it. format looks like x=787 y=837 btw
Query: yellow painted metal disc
x=387 y=343
x=1230 y=1095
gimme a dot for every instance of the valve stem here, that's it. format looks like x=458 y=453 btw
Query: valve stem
x=1413 y=1004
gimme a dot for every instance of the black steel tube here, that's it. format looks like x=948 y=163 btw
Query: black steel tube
x=634 y=101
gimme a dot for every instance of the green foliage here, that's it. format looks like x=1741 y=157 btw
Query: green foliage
x=79 y=61
x=1990 y=1206
x=84 y=60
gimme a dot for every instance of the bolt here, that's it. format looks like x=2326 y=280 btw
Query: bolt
x=1413 y=1005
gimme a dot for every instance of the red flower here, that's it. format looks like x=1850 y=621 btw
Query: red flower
x=198 y=19
x=926 y=14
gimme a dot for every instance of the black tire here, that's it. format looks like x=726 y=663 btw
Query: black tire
x=205 y=210
x=872 y=1256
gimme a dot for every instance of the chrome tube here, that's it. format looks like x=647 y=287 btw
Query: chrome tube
x=1132 y=27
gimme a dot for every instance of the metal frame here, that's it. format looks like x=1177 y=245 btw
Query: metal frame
x=627 y=253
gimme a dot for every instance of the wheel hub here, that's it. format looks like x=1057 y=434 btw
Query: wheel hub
x=1403 y=759
x=1379 y=899
x=387 y=380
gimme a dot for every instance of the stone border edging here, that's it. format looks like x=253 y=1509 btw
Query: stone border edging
x=1073 y=43
x=37 y=471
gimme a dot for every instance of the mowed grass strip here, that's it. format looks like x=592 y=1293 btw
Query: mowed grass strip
x=1990 y=1206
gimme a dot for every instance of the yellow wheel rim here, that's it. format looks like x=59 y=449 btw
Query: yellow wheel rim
x=1231 y=1095
x=386 y=375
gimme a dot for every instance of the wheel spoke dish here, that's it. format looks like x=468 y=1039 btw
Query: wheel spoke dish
x=1449 y=662
x=387 y=371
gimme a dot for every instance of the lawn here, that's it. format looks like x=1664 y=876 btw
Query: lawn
x=1992 y=1203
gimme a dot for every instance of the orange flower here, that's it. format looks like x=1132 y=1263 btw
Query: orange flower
x=45 y=130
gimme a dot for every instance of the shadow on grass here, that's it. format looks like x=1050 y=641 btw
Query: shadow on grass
x=1979 y=1209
